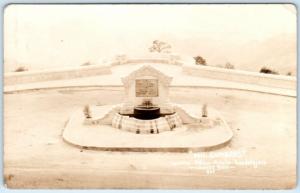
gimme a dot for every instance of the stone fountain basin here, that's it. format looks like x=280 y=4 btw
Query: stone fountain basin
x=146 y=113
x=182 y=139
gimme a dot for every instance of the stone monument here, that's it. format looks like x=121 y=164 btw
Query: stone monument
x=147 y=111
x=147 y=84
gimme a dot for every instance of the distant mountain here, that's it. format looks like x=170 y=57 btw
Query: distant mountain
x=278 y=52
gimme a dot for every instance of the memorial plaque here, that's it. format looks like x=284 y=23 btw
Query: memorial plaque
x=146 y=88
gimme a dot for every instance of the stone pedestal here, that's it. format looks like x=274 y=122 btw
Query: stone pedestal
x=146 y=83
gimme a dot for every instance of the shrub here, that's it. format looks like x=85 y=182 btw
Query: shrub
x=21 y=69
x=86 y=64
x=200 y=60
x=229 y=66
x=204 y=110
x=267 y=71
x=87 y=112
x=289 y=74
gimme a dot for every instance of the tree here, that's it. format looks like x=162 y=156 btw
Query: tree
x=87 y=112
x=160 y=46
x=200 y=60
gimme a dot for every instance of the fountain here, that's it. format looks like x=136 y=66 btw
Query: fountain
x=146 y=111
x=147 y=120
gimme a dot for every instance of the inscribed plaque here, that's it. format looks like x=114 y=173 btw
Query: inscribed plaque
x=146 y=88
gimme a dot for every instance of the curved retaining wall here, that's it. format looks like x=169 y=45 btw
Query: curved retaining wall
x=279 y=81
x=12 y=78
x=188 y=67
x=147 y=58
x=56 y=74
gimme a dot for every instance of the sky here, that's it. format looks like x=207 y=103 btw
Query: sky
x=51 y=36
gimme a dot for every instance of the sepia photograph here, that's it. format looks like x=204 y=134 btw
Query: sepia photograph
x=150 y=96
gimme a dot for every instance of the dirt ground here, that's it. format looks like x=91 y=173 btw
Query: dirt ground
x=35 y=156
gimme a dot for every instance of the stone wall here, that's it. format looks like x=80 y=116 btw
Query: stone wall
x=187 y=63
x=162 y=58
x=279 y=81
x=54 y=74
